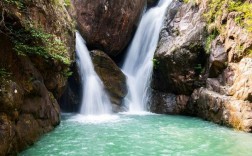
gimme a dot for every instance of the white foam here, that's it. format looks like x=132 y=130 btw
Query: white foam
x=140 y=113
x=94 y=119
x=138 y=64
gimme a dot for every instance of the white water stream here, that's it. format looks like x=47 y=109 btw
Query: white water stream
x=94 y=98
x=137 y=66
x=138 y=63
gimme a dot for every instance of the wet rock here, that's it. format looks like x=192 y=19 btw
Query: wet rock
x=108 y=24
x=151 y=3
x=180 y=55
x=112 y=77
x=28 y=131
x=70 y=101
x=167 y=103
x=221 y=109
x=6 y=135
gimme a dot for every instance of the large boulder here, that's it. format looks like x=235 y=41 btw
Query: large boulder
x=112 y=77
x=180 y=56
x=108 y=24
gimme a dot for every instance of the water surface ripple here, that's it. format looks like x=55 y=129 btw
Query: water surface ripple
x=140 y=135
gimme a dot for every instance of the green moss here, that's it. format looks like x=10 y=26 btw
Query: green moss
x=67 y=72
x=18 y=3
x=4 y=73
x=186 y=1
x=244 y=18
x=209 y=40
x=199 y=69
x=155 y=63
x=33 y=41
x=216 y=8
x=67 y=3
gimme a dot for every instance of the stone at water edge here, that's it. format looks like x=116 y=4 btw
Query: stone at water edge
x=111 y=75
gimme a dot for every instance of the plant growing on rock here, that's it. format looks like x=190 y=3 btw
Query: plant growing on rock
x=36 y=42
x=4 y=73
x=216 y=8
x=155 y=63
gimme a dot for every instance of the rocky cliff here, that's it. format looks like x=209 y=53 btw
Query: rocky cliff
x=203 y=62
x=36 y=50
x=108 y=25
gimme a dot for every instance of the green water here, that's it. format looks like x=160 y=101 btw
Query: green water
x=141 y=135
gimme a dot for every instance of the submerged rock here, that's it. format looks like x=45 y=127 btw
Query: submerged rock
x=108 y=25
x=111 y=75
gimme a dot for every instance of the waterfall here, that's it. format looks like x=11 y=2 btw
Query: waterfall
x=138 y=64
x=94 y=98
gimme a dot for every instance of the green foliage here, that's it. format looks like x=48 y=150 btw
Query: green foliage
x=243 y=18
x=209 y=40
x=155 y=63
x=36 y=42
x=198 y=69
x=18 y=3
x=4 y=73
x=67 y=72
x=67 y=3
x=215 y=10
x=250 y=52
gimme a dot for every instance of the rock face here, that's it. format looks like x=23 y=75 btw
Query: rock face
x=242 y=80
x=151 y=3
x=167 y=103
x=221 y=109
x=223 y=93
x=108 y=24
x=180 y=56
x=36 y=48
x=180 y=52
x=112 y=77
x=70 y=101
x=218 y=58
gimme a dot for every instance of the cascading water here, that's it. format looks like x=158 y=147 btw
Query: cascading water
x=94 y=98
x=138 y=64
